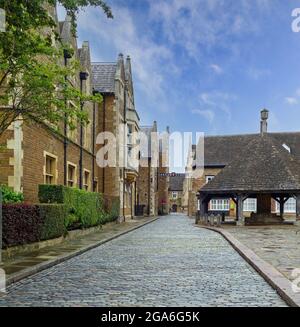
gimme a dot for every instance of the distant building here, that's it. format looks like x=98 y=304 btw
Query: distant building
x=267 y=153
x=148 y=172
x=176 y=192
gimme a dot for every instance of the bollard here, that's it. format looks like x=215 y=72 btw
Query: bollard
x=211 y=220
x=219 y=218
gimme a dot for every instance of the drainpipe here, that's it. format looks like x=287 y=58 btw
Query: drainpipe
x=149 y=184
x=103 y=130
x=67 y=55
x=125 y=148
x=94 y=140
x=83 y=77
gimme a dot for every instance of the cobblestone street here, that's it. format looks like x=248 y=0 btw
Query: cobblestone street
x=166 y=263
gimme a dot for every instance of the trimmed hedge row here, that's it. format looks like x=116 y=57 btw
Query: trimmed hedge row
x=84 y=209
x=61 y=209
x=24 y=224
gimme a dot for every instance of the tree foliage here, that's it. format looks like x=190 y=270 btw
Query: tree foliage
x=33 y=83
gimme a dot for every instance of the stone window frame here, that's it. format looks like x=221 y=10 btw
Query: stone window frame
x=174 y=195
x=87 y=187
x=55 y=173
x=75 y=182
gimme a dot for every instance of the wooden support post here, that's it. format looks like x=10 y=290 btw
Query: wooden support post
x=203 y=205
x=298 y=207
x=239 y=211
x=281 y=204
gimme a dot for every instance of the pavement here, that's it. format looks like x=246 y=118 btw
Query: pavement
x=277 y=245
x=31 y=262
x=169 y=262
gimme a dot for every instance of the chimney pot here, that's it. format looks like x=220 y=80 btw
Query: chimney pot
x=264 y=114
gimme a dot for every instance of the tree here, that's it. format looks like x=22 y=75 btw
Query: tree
x=32 y=78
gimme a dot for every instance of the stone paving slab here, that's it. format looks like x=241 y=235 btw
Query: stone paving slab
x=278 y=245
x=26 y=264
x=166 y=263
x=277 y=280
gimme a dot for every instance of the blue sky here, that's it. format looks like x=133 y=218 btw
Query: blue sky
x=205 y=65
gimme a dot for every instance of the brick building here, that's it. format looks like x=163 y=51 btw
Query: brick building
x=176 y=192
x=163 y=174
x=118 y=116
x=33 y=154
x=220 y=152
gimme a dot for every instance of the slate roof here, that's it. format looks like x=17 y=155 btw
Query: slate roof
x=262 y=165
x=176 y=182
x=219 y=150
x=104 y=77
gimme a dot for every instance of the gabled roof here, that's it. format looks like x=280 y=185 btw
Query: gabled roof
x=104 y=75
x=262 y=165
x=176 y=182
x=219 y=150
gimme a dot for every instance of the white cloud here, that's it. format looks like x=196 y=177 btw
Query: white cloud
x=216 y=68
x=217 y=100
x=208 y=23
x=291 y=100
x=122 y=35
x=207 y=114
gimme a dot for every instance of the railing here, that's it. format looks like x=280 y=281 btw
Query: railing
x=209 y=220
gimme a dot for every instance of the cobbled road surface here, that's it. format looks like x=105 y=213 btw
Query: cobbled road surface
x=167 y=263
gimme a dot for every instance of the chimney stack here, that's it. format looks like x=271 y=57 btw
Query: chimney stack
x=264 y=114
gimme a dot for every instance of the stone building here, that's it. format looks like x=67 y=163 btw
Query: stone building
x=176 y=192
x=163 y=174
x=33 y=154
x=221 y=152
x=117 y=115
x=147 y=203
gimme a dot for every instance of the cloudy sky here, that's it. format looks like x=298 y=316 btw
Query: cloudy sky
x=205 y=65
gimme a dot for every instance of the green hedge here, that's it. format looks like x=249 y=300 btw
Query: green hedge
x=53 y=217
x=114 y=211
x=29 y=223
x=84 y=209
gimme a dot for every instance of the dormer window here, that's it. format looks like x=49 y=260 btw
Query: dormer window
x=209 y=178
x=286 y=147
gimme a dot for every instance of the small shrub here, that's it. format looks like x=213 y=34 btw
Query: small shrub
x=21 y=224
x=53 y=220
x=84 y=209
x=112 y=210
x=10 y=196
x=25 y=224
